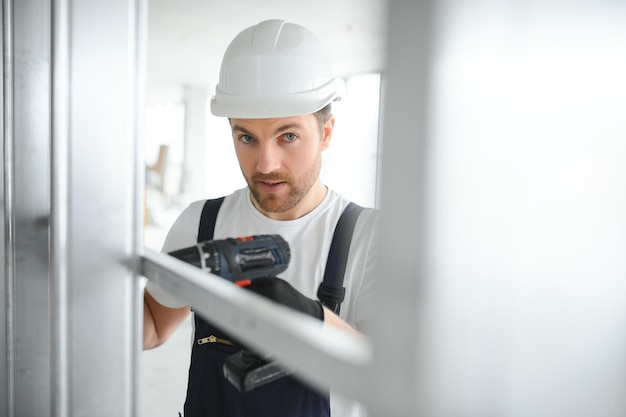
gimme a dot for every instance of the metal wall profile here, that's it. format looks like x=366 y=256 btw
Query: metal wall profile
x=26 y=166
x=6 y=226
x=71 y=298
x=96 y=206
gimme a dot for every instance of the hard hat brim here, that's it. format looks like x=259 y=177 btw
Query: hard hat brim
x=241 y=107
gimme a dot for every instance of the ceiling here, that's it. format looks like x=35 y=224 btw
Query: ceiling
x=187 y=38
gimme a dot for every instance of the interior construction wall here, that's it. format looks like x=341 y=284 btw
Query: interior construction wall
x=70 y=293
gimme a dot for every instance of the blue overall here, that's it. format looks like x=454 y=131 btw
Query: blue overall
x=210 y=394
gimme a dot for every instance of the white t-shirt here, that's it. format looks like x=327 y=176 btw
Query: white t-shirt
x=309 y=238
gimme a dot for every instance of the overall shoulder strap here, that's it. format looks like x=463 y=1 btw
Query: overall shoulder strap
x=206 y=228
x=208 y=219
x=331 y=291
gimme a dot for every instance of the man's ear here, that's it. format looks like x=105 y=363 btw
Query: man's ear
x=327 y=132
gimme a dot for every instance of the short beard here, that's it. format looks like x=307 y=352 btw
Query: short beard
x=273 y=203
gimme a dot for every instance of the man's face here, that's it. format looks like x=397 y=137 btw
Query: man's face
x=281 y=160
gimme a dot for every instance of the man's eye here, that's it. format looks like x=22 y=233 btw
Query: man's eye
x=246 y=138
x=290 y=137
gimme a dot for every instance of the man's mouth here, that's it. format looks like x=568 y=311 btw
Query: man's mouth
x=272 y=185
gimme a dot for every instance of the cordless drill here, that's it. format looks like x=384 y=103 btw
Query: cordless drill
x=243 y=260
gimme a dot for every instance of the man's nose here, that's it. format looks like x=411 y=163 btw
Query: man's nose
x=268 y=158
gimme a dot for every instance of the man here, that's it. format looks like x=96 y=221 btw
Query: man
x=275 y=88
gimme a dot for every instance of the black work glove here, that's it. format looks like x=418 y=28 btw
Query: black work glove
x=280 y=291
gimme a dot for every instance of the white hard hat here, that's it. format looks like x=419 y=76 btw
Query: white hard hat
x=274 y=69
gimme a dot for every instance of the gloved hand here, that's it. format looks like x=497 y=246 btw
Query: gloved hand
x=280 y=291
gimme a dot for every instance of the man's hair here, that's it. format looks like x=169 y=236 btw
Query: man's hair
x=323 y=115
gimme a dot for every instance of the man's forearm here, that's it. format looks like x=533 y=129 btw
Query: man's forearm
x=150 y=339
x=160 y=322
